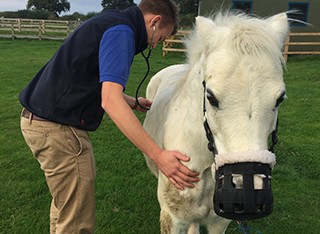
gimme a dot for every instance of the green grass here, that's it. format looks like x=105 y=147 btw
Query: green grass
x=125 y=189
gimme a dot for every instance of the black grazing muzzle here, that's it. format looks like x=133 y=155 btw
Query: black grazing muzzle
x=243 y=203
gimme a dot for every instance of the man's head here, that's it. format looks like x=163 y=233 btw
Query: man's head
x=161 y=19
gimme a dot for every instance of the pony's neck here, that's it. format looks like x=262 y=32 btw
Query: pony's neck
x=189 y=103
x=190 y=92
x=193 y=83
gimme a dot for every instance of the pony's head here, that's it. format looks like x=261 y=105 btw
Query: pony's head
x=240 y=59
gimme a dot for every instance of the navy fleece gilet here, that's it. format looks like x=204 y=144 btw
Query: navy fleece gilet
x=67 y=89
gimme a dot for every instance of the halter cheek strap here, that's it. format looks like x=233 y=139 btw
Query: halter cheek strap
x=211 y=144
x=274 y=137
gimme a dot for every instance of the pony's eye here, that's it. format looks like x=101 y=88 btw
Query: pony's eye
x=280 y=99
x=212 y=99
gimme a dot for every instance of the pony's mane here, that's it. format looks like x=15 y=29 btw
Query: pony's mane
x=241 y=33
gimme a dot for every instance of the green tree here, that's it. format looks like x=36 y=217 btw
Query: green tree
x=187 y=6
x=55 y=6
x=117 y=4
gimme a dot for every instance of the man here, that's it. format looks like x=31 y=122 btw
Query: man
x=69 y=95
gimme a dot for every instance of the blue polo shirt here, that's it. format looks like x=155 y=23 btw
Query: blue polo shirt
x=116 y=53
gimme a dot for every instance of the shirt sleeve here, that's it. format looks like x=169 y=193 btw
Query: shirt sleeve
x=116 y=53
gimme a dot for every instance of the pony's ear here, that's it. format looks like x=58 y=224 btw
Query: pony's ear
x=204 y=25
x=279 y=23
x=199 y=40
x=203 y=28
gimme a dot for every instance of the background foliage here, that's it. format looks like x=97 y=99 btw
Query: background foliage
x=117 y=4
x=53 y=6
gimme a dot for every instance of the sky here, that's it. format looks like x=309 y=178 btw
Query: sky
x=81 y=6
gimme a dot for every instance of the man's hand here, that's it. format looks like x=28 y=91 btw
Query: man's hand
x=143 y=102
x=178 y=174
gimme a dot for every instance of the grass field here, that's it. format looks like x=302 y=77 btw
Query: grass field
x=125 y=189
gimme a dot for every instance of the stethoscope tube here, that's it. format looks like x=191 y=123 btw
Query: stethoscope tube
x=146 y=57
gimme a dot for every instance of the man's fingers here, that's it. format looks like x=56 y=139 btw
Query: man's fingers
x=177 y=173
x=180 y=180
x=184 y=183
x=191 y=175
x=182 y=157
x=176 y=184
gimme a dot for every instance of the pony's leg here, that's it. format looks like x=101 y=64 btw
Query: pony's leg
x=165 y=222
x=171 y=225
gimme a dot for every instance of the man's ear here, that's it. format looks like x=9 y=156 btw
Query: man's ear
x=156 y=21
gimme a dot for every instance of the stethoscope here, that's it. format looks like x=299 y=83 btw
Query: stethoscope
x=146 y=58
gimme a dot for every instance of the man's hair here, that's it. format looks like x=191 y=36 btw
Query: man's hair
x=166 y=8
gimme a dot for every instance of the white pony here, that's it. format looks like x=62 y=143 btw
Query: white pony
x=239 y=57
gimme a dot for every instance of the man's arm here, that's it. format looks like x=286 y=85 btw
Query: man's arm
x=116 y=106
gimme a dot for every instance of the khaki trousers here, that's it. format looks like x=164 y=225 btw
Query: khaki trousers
x=66 y=157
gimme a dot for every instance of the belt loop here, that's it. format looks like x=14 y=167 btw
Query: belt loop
x=30 y=118
x=21 y=115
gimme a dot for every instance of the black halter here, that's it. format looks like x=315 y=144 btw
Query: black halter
x=211 y=144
